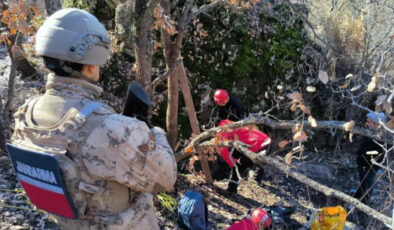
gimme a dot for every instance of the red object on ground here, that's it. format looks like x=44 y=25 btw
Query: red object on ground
x=255 y=138
x=244 y=224
x=260 y=218
x=221 y=97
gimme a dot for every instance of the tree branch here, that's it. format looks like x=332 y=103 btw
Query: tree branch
x=152 y=4
x=182 y=25
x=261 y=160
x=206 y=8
x=252 y=120
x=164 y=76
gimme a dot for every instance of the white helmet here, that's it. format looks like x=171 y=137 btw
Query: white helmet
x=74 y=35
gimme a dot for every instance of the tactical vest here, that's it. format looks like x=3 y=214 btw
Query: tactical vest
x=95 y=200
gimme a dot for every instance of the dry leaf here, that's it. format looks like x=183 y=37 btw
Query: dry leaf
x=266 y=94
x=373 y=152
x=294 y=96
x=296 y=128
x=357 y=87
x=344 y=86
x=293 y=107
x=305 y=109
x=378 y=108
x=372 y=84
x=190 y=166
x=279 y=87
x=380 y=99
x=349 y=76
x=351 y=137
x=310 y=89
x=390 y=124
x=288 y=158
x=283 y=143
x=387 y=107
x=348 y=126
x=323 y=76
x=300 y=136
x=312 y=121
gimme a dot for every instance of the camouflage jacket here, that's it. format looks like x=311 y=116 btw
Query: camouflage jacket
x=117 y=162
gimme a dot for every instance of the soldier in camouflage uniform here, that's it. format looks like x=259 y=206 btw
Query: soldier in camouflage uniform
x=111 y=164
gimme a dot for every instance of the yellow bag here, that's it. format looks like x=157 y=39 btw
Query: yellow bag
x=329 y=218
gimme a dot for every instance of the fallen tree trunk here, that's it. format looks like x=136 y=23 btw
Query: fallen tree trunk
x=262 y=160
x=252 y=120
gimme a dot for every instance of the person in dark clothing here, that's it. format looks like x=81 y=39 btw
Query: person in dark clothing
x=367 y=151
x=231 y=108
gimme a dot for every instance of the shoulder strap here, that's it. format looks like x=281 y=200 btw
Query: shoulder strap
x=89 y=108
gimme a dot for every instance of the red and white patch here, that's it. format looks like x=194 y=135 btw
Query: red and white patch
x=46 y=196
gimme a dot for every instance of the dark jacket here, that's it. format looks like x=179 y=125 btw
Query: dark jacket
x=234 y=110
x=366 y=170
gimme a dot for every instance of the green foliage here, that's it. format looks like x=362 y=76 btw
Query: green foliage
x=80 y=4
x=234 y=55
x=116 y=76
x=167 y=201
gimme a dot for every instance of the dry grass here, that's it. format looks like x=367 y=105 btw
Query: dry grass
x=345 y=31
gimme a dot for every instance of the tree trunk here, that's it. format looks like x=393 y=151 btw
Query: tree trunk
x=143 y=21
x=53 y=6
x=173 y=98
x=193 y=120
x=171 y=55
x=2 y=129
x=5 y=111
x=188 y=100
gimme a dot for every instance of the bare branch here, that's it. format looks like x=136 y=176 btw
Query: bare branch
x=261 y=160
x=161 y=78
x=309 y=24
x=11 y=87
x=182 y=25
x=152 y=4
x=382 y=58
x=252 y=120
x=382 y=166
x=206 y=8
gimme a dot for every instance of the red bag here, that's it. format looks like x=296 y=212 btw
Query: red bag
x=255 y=138
x=244 y=224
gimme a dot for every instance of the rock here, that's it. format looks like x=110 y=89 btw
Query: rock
x=317 y=171
x=124 y=25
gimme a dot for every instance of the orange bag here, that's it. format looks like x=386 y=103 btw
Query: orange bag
x=329 y=218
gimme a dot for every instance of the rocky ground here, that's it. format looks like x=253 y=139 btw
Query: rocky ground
x=224 y=208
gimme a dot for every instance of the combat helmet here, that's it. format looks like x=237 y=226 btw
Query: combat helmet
x=75 y=36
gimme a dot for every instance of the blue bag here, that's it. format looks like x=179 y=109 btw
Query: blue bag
x=192 y=211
